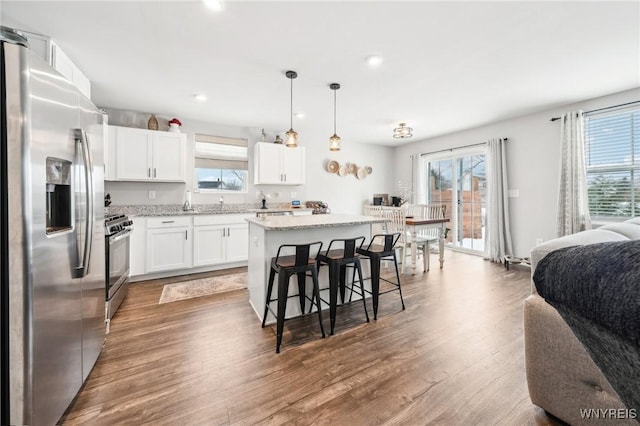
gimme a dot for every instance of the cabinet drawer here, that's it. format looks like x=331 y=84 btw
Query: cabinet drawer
x=219 y=219
x=168 y=221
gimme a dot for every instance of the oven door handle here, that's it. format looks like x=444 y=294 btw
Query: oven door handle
x=120 y=236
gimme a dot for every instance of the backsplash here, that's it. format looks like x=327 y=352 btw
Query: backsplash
x=176 y=209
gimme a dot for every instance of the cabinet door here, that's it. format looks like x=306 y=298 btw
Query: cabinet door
x=237 y=242
x=168 y=248
x=208 y=245
x=133 y=154
x=168 y=156
x=267 y=158
x=293 y=165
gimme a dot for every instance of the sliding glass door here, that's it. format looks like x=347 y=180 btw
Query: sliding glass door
x=458 y=179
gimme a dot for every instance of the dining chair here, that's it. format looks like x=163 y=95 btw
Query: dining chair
x=428 y=235
x=396 y=223
x=375 y=211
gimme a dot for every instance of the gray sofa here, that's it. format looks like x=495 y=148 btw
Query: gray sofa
x=561 y=376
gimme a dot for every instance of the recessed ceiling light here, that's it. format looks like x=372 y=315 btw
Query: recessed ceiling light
x=200 y=97
x=299 y=114
x=215 y=5
x=375 y=60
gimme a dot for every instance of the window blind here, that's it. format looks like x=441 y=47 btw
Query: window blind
x=612 y=155
x=217 y=152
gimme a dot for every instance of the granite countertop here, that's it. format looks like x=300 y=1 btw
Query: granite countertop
x=284 y=223
x=198 y=209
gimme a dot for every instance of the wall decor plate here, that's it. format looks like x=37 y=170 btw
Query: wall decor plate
x=333 y=166
x=342 y=171
x=353 y=168
x=362 y=173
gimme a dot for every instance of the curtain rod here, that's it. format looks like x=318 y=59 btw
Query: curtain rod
x=600 y=109
x=458 y=147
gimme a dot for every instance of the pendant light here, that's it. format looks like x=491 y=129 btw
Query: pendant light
x=291 y=137
x=403 y=131
x=334 y=141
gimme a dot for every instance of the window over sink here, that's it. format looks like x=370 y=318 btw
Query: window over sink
x=221 y=164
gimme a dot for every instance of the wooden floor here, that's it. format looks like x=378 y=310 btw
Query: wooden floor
x=453 y=357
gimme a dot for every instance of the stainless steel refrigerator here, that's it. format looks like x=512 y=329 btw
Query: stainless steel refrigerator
x=52 y=260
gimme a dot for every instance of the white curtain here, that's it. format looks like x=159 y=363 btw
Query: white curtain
x=573 y=202
x=498 y=233
x=418 y=180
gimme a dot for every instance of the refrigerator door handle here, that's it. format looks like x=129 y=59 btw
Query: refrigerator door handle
x=83 y=142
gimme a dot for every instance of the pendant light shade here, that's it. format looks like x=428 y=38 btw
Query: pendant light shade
x=291 y=137
x=334 y=141
x=402 y=132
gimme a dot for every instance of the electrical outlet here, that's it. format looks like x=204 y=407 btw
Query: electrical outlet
x=152 y=195
x=292 y=195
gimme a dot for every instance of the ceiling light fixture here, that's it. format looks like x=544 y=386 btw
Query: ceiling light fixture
x=402 y=132
x=215 y=5
x=375 y=60
x=334 y=141
x=291 y=137
x=200 y=97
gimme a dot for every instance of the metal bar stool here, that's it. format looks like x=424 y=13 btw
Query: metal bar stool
x=286 y=266
x=338 y=260
x=376 y=253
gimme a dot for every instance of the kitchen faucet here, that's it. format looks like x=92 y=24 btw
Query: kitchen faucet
x=187 y=206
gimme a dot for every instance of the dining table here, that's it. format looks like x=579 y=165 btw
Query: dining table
x=415 y=224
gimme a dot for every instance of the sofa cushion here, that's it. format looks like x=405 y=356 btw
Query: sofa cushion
x=628 y=230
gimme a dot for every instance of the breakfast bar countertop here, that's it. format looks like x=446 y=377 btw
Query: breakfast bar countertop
x=284 y=223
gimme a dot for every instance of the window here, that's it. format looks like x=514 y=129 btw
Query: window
x=612 y=142
x=221 y=164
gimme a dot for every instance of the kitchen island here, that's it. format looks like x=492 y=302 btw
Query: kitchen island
x=268 y=233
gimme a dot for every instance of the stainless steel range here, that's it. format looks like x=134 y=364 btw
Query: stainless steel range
x=118 y=229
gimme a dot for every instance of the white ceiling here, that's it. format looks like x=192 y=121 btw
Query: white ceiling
x=447 y=65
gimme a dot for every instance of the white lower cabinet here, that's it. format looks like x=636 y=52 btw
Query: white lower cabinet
x=238 y=242
x=169 y=244
x=220 y=239
x=181 y=243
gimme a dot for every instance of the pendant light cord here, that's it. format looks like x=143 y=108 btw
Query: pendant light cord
x=334 y=112
x=291 y=105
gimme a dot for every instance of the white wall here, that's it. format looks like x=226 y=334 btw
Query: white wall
x=533 y=164
x=343 y=194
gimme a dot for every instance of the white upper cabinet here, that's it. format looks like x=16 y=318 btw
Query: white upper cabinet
x=145 y=155
x=276 y=164
x=48 y=50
